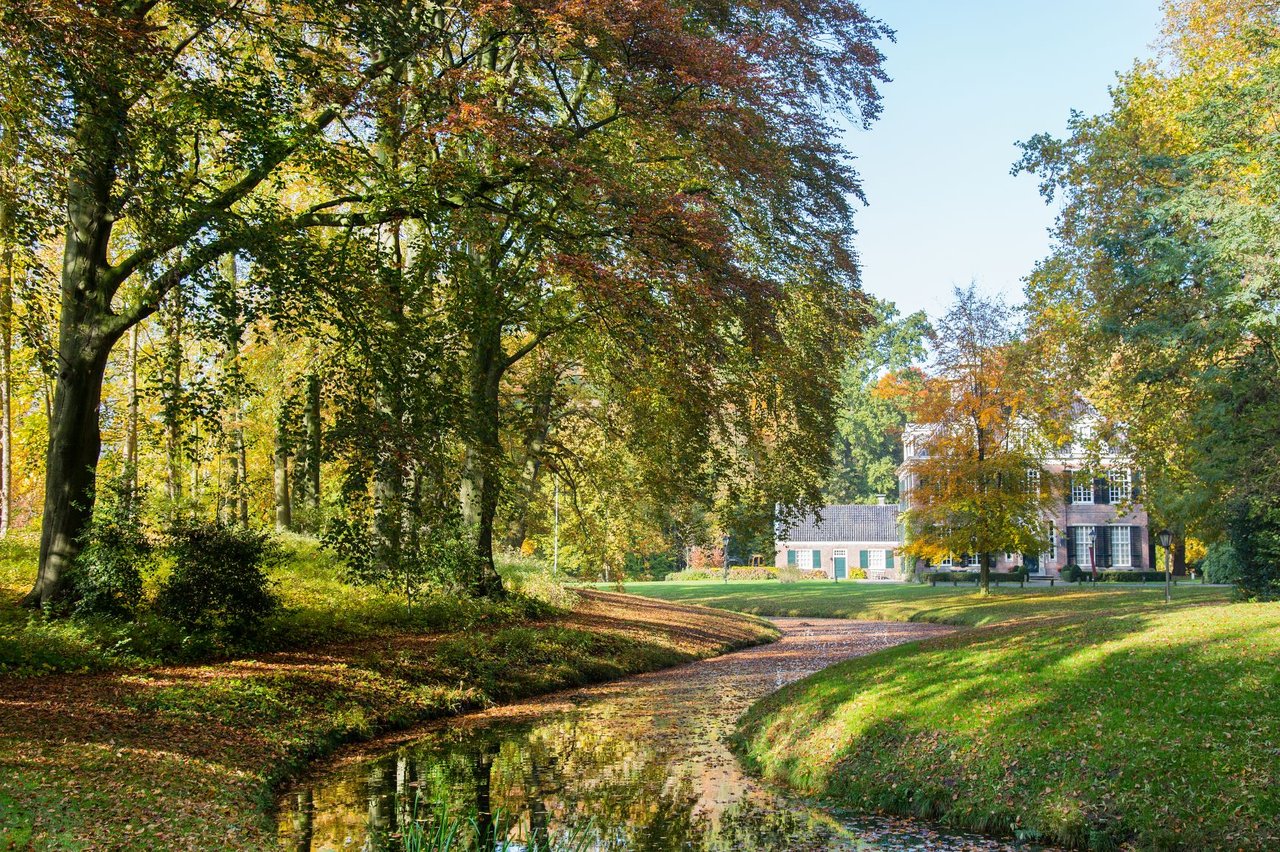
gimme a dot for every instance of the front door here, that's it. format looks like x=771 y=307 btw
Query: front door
x=1031 y=563
x=841 y=561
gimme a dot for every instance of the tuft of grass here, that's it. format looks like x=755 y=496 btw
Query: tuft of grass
x=1137 y=727
x=921 y=603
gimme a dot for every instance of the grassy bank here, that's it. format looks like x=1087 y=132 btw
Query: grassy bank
x=132 y=754
x=912 y=602
x=1143 y=726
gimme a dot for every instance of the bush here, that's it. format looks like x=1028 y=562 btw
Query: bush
x=1222 y=563
x=691 y=574
x=106 y=577
x=762 y=572
x=1254 y=527
x=1072 y=573
x=219 y=579
x=1017 y=576
x=1115 y=576
x=792 y=574
x=855 y=574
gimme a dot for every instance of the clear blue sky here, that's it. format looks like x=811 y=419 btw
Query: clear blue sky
x=970 y=80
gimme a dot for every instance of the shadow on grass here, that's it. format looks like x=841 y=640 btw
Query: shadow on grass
x=1159 y=728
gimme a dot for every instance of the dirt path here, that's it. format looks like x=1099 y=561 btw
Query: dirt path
x=611 y=751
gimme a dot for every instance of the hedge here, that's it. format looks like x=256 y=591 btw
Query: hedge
x=935 y=577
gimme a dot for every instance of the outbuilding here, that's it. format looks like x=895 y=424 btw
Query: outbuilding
x=837 y=539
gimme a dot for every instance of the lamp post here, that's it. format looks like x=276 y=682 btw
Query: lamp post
x=1166 y=539
x=725 y=558
x=1093 y=554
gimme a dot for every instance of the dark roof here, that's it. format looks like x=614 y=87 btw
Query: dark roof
x=847 y=523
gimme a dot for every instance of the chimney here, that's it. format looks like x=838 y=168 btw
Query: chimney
x=880 y=499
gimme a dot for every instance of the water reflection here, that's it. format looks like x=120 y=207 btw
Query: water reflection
x=640 y=764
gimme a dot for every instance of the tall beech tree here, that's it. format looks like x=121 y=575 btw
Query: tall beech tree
x=659 y=176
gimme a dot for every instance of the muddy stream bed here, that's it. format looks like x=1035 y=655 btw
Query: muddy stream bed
x=639 y=763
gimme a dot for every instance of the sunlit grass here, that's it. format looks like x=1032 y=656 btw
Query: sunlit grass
x=1155 y=727
x=915 y=602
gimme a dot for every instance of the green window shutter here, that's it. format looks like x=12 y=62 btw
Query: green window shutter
x=888 y=559
x=791 y=558
x=862 y=560
x=817 y=560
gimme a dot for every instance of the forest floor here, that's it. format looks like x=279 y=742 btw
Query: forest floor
x=132 y=755
x=1085 y=717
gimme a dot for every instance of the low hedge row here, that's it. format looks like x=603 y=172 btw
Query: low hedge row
x=757 y=573
x=954 y=577
x=1076 y=574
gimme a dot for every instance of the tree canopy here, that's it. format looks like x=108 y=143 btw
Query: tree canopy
x=445 y=227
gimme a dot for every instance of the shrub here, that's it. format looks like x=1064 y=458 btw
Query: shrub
x=690 y=574
x=1222 y=563
x=106 y=577
x=762 y=572
x=1254 y=526
x=1112 y=576
x=855 y=574
x=1072 y=573
x=792 y=574
x=219 y=578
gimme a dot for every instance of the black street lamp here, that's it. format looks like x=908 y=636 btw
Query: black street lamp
x=1166 y=539
x=1093 y=553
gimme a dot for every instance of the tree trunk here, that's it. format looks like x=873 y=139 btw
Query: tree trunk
x=388 y=484
x=6 y=364
x=535 y=444
x=984 y=573
x=284 y=508
x=87 y=329
x=1179 y=555
x=71 y=462
x=311 y=455
x=242 y=474
x=173 y=399
x=480 y=483
x=131 y=420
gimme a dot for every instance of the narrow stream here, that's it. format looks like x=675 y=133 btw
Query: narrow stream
x=638 y=764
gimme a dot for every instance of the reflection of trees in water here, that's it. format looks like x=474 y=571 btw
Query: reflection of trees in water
x=551 y=784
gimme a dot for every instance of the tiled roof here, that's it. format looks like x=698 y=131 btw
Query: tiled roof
x=847 y=523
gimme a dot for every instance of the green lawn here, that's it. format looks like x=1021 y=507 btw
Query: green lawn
x=1091 y=717
x=912 y=602
x=1152 y=728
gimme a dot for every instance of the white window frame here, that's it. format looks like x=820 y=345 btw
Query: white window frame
x=1081 y=488
x=1121 y=546
x=947 y=561
x=1082 y=546
x=1033 y=480
x=1120 y=484
x=872 y=557
x=804 y=558
x=1051 y=554
x=973 y=561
